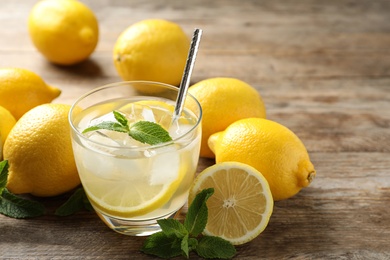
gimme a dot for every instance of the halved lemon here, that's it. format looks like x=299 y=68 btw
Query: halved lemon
x=242 y=203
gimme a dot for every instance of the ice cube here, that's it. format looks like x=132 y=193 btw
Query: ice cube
x=113 y=144
x=109 y=117
x=110 y=167
x=133 y=112
x=165 y=165
x=165 y=121
x=136 y=112
x=101 y=137
x=178 y=129
x=105 y=158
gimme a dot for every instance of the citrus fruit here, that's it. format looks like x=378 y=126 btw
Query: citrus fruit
x=242 y=203
x=64 y=31
x=7 y=121
x=152 y=50
x=130 y=198
x=271 y=148
x=224 y=101
x=21 y=90
x=39 y=152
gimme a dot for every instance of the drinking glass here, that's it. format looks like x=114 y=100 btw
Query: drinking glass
x=131 y=184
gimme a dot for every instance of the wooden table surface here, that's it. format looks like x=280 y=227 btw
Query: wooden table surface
x=323 y=70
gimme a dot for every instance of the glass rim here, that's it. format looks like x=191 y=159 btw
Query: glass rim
x=139 y=148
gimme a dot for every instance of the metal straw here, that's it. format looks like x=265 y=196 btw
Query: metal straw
x=185 y=80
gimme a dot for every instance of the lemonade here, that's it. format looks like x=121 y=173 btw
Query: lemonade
x=129 y=183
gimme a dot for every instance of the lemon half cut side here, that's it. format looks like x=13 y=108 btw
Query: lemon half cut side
x=242 y=203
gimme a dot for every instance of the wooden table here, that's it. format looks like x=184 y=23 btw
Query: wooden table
x=323 y=69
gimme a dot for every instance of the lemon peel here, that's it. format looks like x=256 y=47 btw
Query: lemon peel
x=65 y=32
x=224 y=101
x=271 y=148
x=39 y=152
x=153 y=50
x=22 y=90
x=7 y=122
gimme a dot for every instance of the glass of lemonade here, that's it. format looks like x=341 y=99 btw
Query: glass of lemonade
x=131 y=184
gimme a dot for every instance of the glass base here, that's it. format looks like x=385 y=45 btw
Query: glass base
x=134 y=227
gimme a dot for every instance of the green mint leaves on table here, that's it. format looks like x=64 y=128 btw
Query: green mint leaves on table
x=14 y=206
x=142 y=131
x=177 y=239
x=78 y=201
x=17 y=207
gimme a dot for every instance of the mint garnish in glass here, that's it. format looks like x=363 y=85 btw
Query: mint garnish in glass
x=143 y=131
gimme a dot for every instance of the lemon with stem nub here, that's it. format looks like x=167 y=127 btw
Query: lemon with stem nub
x=153 y=50
x=66 y=32
x=271 y=148
x=39 y=152
x=22 y=89
x=224 y=101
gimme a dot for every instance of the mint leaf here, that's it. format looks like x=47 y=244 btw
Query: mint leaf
x=176 y=238
x=192 y=243
x=161 y=245
x=13 y=206
x=142 y=131
x=78 y=201
x=121 y=118
x=197 y=215
x=112 y=126
x=3 y=175
x=188 y=244
x=172 y=227
x=17 y=207
x=184 y=246
x=149 y=132
x=215 y=247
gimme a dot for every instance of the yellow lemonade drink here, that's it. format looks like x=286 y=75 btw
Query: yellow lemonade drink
x=132 y=184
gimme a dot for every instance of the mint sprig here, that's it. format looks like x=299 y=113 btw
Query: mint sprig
x=177 y=239
x=76 y=202
x=142 y=131
x=14 y=206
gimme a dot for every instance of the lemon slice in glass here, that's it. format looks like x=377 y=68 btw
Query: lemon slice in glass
x=134 y=197
x=242 y=203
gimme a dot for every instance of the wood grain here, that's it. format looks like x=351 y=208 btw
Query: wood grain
x=323 y=70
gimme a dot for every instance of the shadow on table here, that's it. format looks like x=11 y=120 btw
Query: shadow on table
x=87 y=68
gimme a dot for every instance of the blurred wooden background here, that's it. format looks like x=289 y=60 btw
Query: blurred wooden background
x=323 y=70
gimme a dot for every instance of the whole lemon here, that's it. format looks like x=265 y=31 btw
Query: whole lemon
x=7 y=121
x=153 y=50
x=271 y=148
x=39 y=152
x=64 y=31
x=21 y=90
x=224 y=101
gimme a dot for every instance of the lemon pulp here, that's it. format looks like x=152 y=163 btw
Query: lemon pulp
x=240 y=208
